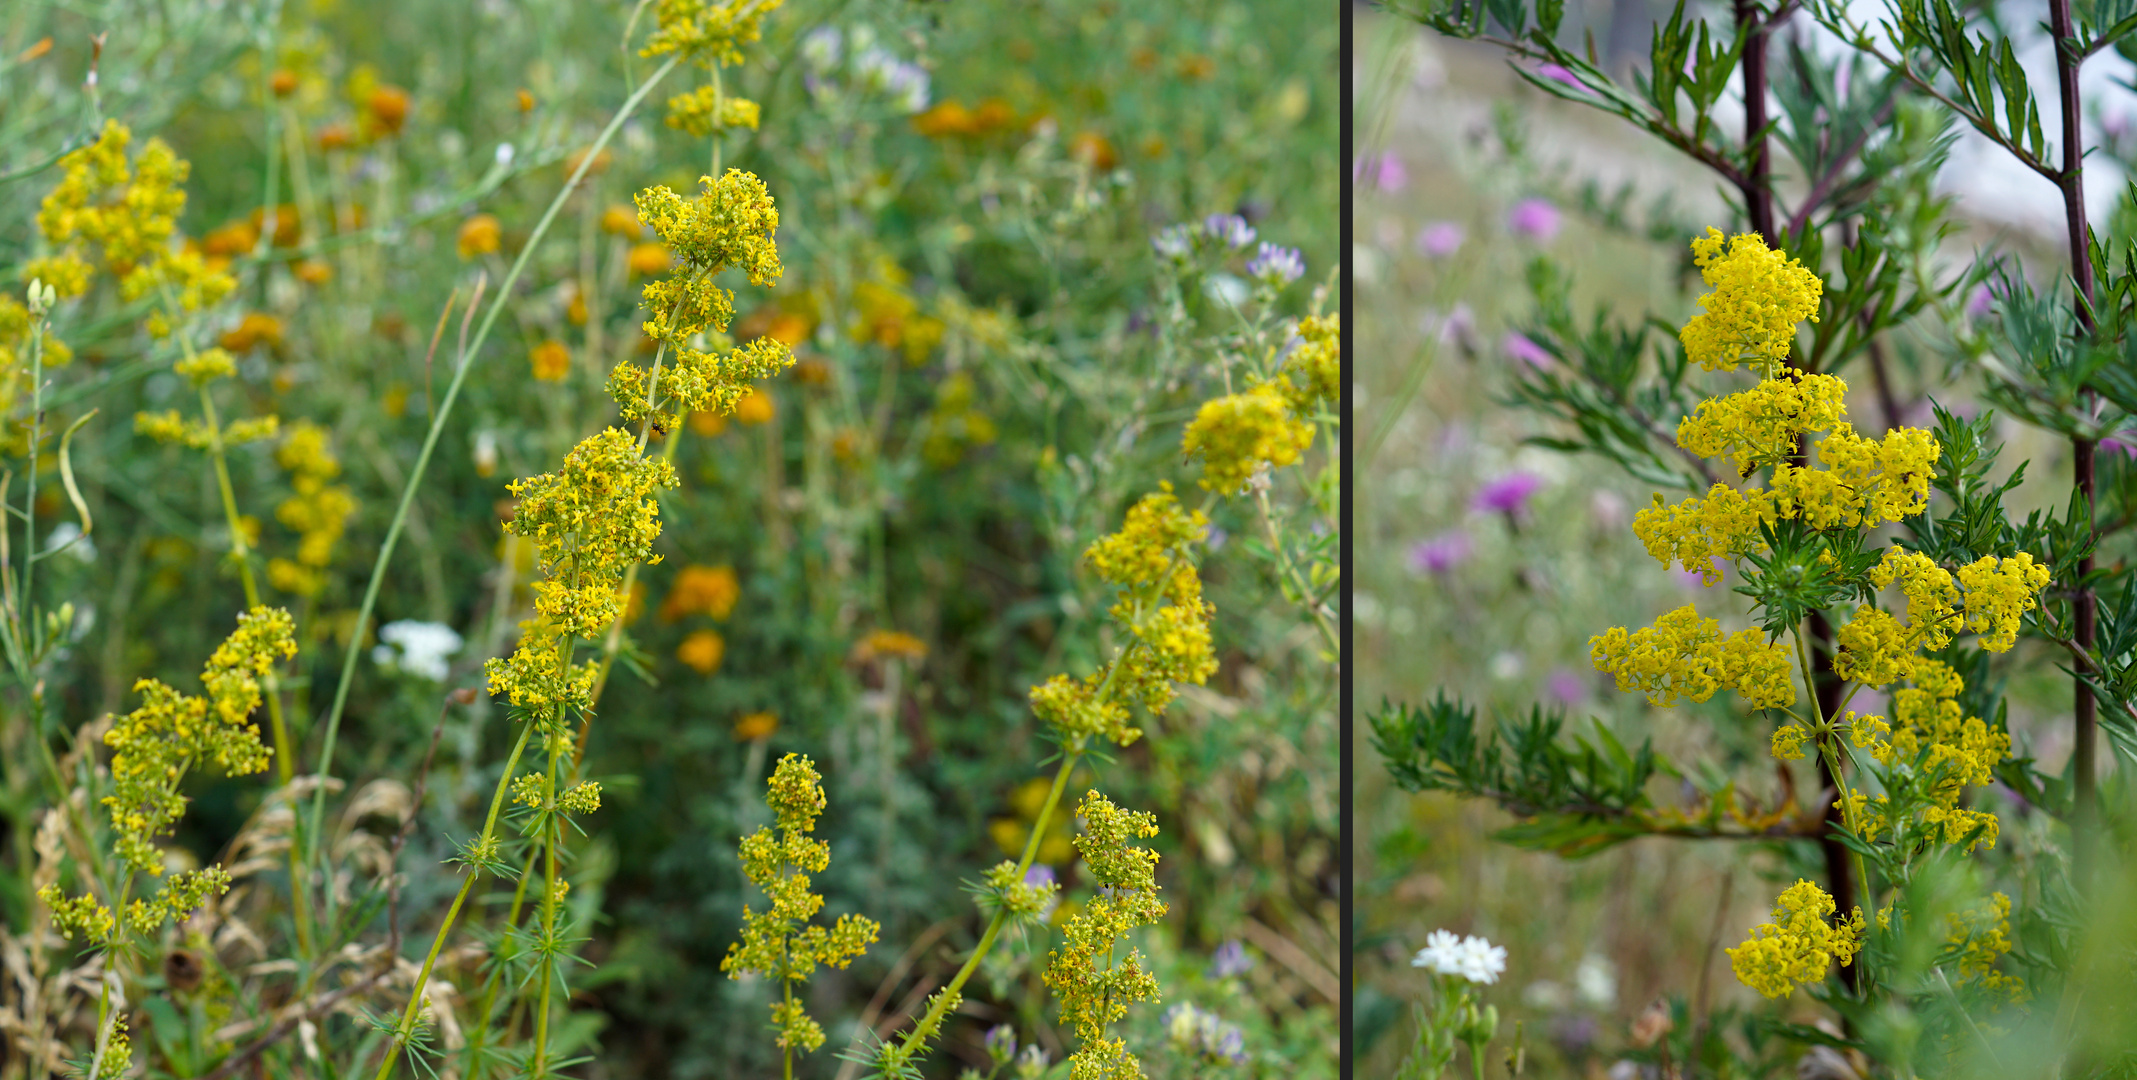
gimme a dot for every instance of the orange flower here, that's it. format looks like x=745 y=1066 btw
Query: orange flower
x=336 y=137
x=812 y=372
x=600 y=162
x=757 y=725
x=313 y=272
x=620 y=220
x=1197 y=67
x=648 y=259
x=254 y=329
x=479 y=235
x=755 y=407
x=576 y=310
x=889 y=645
x=947 y=118
x=236 y=238
x=701 y=651
x=789 y=329
x=708 y=590
x=551 y=360
x=1094 y=150
x=526 y=101
x=287 y=228
x=283 y=82
x=993 y=114
x=707 y=424
x=388 y=109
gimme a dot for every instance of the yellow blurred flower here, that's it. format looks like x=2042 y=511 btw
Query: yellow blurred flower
x=479 y=235
x=706 y=423
x=256 y=328
x=647 y=259
x=755 y=407
x=621 y=220
x=757 y=725
x=551 y=361
x=702 y=590
x=701 y=651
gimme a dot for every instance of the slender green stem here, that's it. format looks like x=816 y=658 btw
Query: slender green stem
x=549 y=919
x=463 y=363
x=402 y=1030
x=1824 y=737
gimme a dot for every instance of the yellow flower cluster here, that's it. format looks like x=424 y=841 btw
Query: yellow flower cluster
x=1240 y=434
x=1988 y=596
x=1161 y=605
x=1093 y=983
x=780 y=943
x=705 y=110
x=1695 y=532
x=956 y=423
x=590 y=521
x=156 y=744
x=1859 y=482
x=316 y=511
x=1983 y=936
x=129 y=213
x=1759 y=296
x=1686 y=656
x=1999 y=592
x=1799 y=946
x=169 y=427
x=1313 y=373
x=729 y=224
x=1758 y=427
x=708 y=32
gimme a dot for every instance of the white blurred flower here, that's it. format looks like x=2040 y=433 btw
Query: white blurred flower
x=1442 y=953
x=65 y=533
x=820 y=49
x=1595 y=984
x=1481 y=961
x=419 y=648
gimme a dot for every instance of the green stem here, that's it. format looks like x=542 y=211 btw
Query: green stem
x=462 y=364
x=1824 y=739
x=402 y=1030
x=549 y=921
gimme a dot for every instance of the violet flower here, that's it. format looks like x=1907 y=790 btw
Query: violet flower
x=1508 y=494
x=1533 y=219
x=1441 y=554
x=1439 y=239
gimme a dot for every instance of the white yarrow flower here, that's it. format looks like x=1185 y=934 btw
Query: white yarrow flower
x=1481 y=961
x=1442 y=954
x=419 y=648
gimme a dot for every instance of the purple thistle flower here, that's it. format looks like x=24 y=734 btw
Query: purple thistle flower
x=1508 y=494
x=1441 y=554
x=1566 y=688
x=1230 y=959
x=1555 y=73
x=1520 y=347
x=1981 y=304
x=1440 y=239
x=2122 y=442
x=1276 y=265
x=1533 y=219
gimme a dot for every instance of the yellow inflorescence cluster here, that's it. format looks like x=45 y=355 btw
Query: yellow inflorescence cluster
x=1270 y=424
x=1800 y=945
x=1983 y=936
x=153 y=748
x=128 y=213
x=1161 y=605
x=1686 y=656
x=1930 y=730
x=705 y=110
x=1759 y=426
x=780 y=943
x=1092 y=982
x=317 y=511
x=1759 y=296
x=1988 y=596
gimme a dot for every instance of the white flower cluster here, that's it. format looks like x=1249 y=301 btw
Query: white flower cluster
x=1472 y=957
x=422 y=648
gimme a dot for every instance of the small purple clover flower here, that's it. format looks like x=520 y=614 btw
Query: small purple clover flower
x=1508 y=494
x=2121 y=442
x=1276 y=265
x=1173 y=242
x=1001 y=1044
x=1520 y=347
x=1229 y=960
x=1565 y=687
x=1533 y=219
x=1440 y=239
x=1442 y=553
x=1231 y=230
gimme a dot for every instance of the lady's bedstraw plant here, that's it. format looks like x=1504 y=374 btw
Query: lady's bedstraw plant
x=779 y=943
x=594 y=520
x=153 y=749
x=1803 y=542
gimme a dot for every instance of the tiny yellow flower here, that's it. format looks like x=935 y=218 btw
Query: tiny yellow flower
x=701 y=651
x=479 y=235
x=550 y=360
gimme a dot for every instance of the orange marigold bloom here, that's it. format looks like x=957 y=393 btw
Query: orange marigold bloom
x=707 y=424
x=889 y=644
x=288 y=229
x=235 y=238
x=621 y=220
x=526 y=101
x=551 y=360
x=388 y=109
x=755 y=407
x=701 y=651
x=647 y=259
x=993 y=114
x=707 y=590
x=480 y=235
x=256 y=328
x=336 y=137
x=283 y=82
x=757 y=725
x=313 y=271
x=1094 y=150
x=946 y=118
